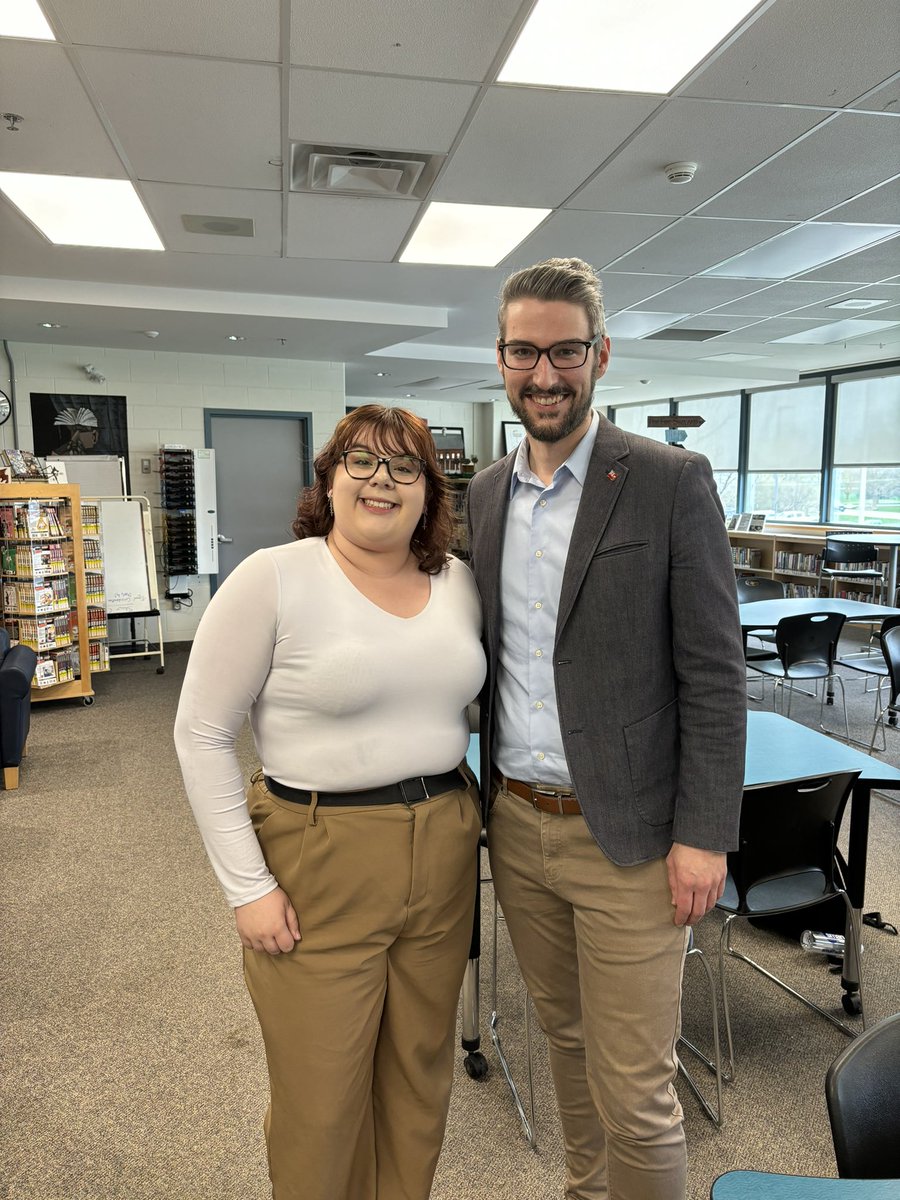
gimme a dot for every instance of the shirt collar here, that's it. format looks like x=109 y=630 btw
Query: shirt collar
x=577 y=463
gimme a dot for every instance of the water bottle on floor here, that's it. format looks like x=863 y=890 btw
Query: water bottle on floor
x=823 y=943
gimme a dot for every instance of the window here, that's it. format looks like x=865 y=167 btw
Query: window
x=633 y=418
x=719 y=439
x=784 y=465
x=866 y=484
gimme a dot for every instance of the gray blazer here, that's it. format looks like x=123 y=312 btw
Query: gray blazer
x=648 y=659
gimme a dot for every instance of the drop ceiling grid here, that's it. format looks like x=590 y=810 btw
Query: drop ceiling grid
x=694 y=244
x=214 y=28
x=569 y=133
x=780 y=58
x=376 y=112
x=167 y=202
x=366 y=229
x=598 y=238
x=437 y=40
x=61 y=131
x=879 y=206
x=191 y=120
x=702 y=294
x=795 y=186
x=726 y=140
x=784 y=298
x=868 y=266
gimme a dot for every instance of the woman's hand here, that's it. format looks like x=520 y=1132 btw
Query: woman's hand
x=269 y=923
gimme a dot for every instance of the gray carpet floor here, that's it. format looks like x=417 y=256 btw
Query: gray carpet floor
x=132 y=1067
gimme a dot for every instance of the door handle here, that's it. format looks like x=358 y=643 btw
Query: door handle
x=223 y=540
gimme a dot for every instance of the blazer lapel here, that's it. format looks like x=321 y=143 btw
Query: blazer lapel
x=603 y=485
x=490 y=554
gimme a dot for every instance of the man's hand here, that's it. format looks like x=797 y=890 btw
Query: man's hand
x=697 y=880
x=269 y=923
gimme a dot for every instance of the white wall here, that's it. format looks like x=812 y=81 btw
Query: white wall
x=166 y=395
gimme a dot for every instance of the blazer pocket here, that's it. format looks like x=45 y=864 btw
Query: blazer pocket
x=652 y=746
x=621 y=548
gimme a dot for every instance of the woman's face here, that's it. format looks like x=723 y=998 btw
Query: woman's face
x=376 y=513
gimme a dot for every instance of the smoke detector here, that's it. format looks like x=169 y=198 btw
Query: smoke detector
x=680 y=172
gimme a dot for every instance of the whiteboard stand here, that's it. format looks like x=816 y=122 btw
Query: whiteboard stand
x=129 y=565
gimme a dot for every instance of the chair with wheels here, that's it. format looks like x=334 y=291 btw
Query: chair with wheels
x=787 y=860
x=862 y=1091
x=886 y=668
x=807 y=649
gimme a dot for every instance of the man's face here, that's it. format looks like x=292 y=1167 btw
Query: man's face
x=551 y=402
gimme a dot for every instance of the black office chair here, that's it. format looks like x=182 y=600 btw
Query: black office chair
x=787 y=860
x=807 y=649
x=749 y=589
x=17 y=666
x=862 y=1090
x=886 y=668
x=851 y=560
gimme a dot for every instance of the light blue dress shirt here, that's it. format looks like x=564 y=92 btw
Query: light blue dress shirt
x=528 y=742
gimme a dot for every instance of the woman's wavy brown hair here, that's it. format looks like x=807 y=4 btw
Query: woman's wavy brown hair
x=393 y=431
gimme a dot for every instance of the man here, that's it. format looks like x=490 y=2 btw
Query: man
x=612 y=729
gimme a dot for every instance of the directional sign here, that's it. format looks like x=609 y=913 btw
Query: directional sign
x=675 y=422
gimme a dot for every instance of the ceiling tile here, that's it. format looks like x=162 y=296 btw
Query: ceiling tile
x=766 y=331
x=725 y=140
x=882 y=99
x=398 y=37
x=61 y=133
x=624 y=290
x=878 y=207
x=878 y=262
x=167 y=202
x=698 y=295
x=191 y=120
x=218 y=28
x=783 y=298
x=695 y=243
x=780 y=57
x=366 y=228
x=598 y=238
x=575 y=131
x=376 y=112
x=795 y=186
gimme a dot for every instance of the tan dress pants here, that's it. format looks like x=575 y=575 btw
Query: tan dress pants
x=358 y=1019
x=603 y=961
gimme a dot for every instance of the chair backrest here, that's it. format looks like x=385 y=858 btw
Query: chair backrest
x=862 y=1090
x=889 y=637
x=749 y=588
x=809 y=638
x=788 y=830
x=837 y=551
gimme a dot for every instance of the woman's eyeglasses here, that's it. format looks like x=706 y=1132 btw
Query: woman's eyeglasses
x=402 y=468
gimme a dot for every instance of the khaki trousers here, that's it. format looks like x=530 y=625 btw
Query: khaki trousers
x=603 y=961
x=358 y=1019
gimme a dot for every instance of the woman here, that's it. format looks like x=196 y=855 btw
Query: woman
x=351 y=862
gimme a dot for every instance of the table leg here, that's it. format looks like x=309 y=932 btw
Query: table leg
x=857 y=854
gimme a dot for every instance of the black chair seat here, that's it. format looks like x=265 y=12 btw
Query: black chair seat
x=801 y=889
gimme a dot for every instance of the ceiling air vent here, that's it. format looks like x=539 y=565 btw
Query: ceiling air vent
x=356 y=172
x=218 y=226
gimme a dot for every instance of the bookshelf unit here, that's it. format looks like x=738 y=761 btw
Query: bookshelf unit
x=95 y=586
x=44 y=585
x=459 y=540
x=791 y=556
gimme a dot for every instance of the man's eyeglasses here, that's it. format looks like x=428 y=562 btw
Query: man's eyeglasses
x=522 y=356
x=363 y=464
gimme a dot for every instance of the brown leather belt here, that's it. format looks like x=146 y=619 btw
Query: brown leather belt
x=560 y=801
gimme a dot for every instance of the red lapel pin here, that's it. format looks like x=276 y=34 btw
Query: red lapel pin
x=611 y=475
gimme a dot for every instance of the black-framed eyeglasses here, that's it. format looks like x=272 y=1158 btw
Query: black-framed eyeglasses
x=522 y=356
x=363 y=464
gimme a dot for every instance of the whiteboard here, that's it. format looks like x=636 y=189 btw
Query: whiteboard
x=127 y=558
x=95 y=474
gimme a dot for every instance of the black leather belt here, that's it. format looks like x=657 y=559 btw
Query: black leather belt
x=407 y=791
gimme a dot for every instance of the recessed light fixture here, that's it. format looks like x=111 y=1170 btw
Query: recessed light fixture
x=646 y=47
x=470 y=235
x=801 y=249
x=151 y=333
x=72 y=210
x=859 y=303
x=50 y=325
x=382 y=374
x=410 y=396
x=837 y=331
x=25 y=19
x=235 y=337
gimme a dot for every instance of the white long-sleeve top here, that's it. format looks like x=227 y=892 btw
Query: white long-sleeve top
x=340 y=694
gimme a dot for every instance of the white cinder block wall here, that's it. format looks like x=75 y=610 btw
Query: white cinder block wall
x=166 y=394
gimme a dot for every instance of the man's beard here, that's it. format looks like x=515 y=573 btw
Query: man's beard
x=552 y=430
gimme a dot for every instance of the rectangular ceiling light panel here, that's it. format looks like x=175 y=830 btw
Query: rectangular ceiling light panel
x=801 y=249
x=24 y=19
x=74 y=211
x=470 y=235
x=605 y=45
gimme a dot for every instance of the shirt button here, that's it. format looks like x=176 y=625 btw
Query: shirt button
x=538 y=654
x=540 y=756
x=543 y=503
x=538 y=704
x=538 y=604
x=538 y=554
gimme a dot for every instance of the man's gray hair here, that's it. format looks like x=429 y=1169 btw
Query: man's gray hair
x=568 y=279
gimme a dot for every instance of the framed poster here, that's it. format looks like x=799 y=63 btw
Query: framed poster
x=512 y=433
x=79 y=425
x=448 y=437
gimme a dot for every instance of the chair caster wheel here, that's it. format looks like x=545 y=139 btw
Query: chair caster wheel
x=476 y=1065
x=160 y=670
x=851 y=1003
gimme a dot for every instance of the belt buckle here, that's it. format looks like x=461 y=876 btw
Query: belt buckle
x=555 y=794
x=422 y=789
